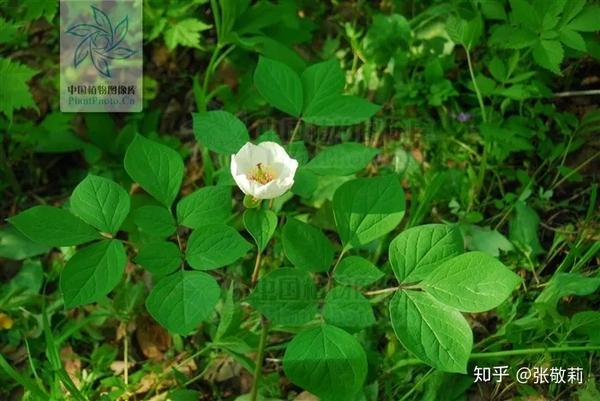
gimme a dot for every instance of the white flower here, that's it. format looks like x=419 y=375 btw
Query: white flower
x=263 y=171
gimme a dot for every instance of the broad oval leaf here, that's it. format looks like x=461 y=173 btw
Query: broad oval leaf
x=321 y=80
x=343 y=159
x=180 y=301
x=157 y=168
x=215 y=246
x=220 y=131
x=208 y=205
x=159 y=258
x=355 y=270
x=92 y=272
x=154 y=220
x=53 y=226
x=100 y=202
x=327 y=361
x=339 y=110
x=285 y=296
x=306 y=246
x=472 y=282
x=414 y=253
x=261 y=225
x=279 y=85
x=348 y=309
x=437 y=334
x=367 y=208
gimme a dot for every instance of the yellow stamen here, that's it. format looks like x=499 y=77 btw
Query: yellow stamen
x=262 y=175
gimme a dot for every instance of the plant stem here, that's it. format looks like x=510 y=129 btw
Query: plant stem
x=477 y=92
x=382 y=291
x=259 y=358
x=590 y=92
x=126 y=358
x=24 y=381
x=498 y=354
x=483 y=165
x=337 y=262
x=295 y=131
x=256 y=270
x=529 y=351
x=573 y=171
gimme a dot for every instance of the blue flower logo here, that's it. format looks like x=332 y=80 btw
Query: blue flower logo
x=101 y=42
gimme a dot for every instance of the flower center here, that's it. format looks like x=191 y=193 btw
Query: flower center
x=262 y=174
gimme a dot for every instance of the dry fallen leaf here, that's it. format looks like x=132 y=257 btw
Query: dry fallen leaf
x=153 y=339
x=306 y=396
x=71 y=363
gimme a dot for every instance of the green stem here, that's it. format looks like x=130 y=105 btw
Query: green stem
x=295 y=131
x=208 y=74
x=259 y=359
x=24 y=381
x=483 y=165
x=500 y=354
x=477 y=92
x=529 y=351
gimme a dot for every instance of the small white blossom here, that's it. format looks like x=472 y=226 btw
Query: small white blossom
x=263 y=171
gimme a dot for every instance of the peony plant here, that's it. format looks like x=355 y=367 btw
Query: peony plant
x=317 y=289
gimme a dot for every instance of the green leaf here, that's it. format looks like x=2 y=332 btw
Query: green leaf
x=231 y=314
x=525 y=14
x=367 y=208
x=261 y=225
x=416 y=252
x=437 y=334
x=14 y=92
x=285 y=296
x=15 y=245
x=572 y=39
x=486 y=240
x=53 y=227
x=159 y=258
x=548 y=54
x=306 y=246
x=387 y=36
x=562 y=285
x=497 y=69
x=326 y=361
x=154 y=220
x=339 y=110
x=523 y=228
x=100 y=202
x=215 y=246
x=348 y=309
x=493 y=9
x=466 y=33
x=220 y=131
x=208 y=205
x=354 y=270
x=157 y=168
x=321 y=80
x=471 y=282
x=587 y=20
x=92 y=272
x=343 y=159
x=588 y=324
x=279 y=85
x=185 y=33
x=181 y=301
